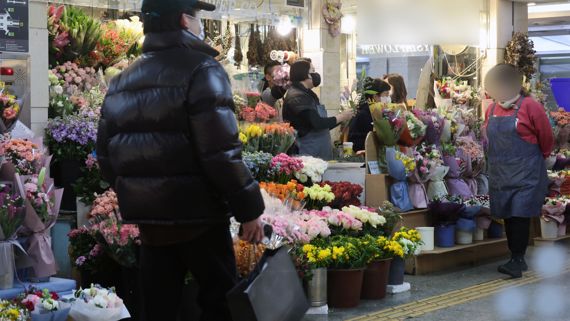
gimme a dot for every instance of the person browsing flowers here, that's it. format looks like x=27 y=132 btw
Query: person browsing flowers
x=519 y=139
x=168 y=143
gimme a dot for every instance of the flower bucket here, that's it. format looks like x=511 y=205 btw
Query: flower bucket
x=463 y=237
x=66 y=173
x=479 y=234
x=445 y=236
x=6 y=265
x=496 y=231
x=397 y=269
x=548 y=229
x=317 y=288
x=427 y=234
x=376 y=280
x=82 y=212
x=344 y=288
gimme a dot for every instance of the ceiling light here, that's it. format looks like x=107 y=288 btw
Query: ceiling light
x=347 y=24
x=530 y=4
x=284 y=26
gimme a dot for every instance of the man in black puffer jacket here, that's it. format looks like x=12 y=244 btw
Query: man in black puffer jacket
x=168 y=143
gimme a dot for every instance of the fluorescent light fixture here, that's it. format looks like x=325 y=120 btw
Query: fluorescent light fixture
x=549 y=8
x=531 y=4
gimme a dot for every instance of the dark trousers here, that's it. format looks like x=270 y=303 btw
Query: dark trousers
x=518 y=233
x=210 y=259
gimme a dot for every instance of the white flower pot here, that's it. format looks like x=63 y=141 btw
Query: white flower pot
x=549 y=230
x=427 y=234
x=82 y=212
x=479 y=234
x=463 y=237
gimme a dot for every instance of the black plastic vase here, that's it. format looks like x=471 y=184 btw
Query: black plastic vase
x=66 y=173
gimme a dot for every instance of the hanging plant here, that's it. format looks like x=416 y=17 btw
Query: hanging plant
x=332 y=15
x=262 y=59
x=238 y=54
x=252 y=58
x=521 y=54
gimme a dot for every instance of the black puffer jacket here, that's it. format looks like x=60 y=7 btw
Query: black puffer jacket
x=168 y=138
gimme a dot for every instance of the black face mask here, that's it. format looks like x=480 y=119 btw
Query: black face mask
x=316 y=79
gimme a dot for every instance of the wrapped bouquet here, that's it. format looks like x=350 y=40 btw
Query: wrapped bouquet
x=44 y=305
x=12 y=216
x=97 y=304
x=400 y=167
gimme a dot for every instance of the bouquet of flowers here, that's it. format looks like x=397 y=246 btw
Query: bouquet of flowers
x=252 y=98
x=340 y=223
x=312 y=171
x=96 y=304
x=461 y=92
x=458 y=165
x=92 y=182
x=74 y=79
x=346 y=252
x=85 y=253
x=372 y=222
x=44 y=305
x=247 y=256
x=11 y=311
x=554 y=210
x=239 y=102
x=388 y=124
x=317 y=196
x=277 y=138
x=72 y=137
x=445 y=213
x=285 y=167
x=104 y=206
x=250 y=136
x=9 y=109
x=410 y=240
x=11 y=213
x=417 y=127
x=399 y=167
x=259 y=164
x=262 y=112
x=476 y=156
x=42 y=203
x=317 y=256
x=436 y=185
x=295 y=227
x=291 y=193
x=345 y=194
x=443 y=88
x=420 y=176
x=381 y=248
x=25 y=155
x=434 y=125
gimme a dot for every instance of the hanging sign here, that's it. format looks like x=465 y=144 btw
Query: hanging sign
x=14 y=32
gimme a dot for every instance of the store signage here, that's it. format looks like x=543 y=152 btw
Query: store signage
x=14 y=33
x=394 y=50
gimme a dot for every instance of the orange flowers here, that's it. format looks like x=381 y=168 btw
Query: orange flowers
x=24 y=154
x=561 y=117
x=278 y=129
x=292 y=191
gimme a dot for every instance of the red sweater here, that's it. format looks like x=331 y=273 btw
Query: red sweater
x=533 y=124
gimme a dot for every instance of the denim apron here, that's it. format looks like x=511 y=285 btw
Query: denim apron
x=317 y=143
x=518 y=183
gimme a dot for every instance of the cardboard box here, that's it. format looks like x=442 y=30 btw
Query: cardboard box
x=377 y=189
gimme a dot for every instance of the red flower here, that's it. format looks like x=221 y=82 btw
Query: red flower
x=54 y=296
x=30 y=306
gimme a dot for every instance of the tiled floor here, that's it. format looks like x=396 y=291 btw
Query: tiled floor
x=474 y=294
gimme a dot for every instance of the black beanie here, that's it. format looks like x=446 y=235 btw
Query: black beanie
x=299 y=70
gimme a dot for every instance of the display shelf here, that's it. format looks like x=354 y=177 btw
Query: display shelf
x=539 y=241
x=441 y=259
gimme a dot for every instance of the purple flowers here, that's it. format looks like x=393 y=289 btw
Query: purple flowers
x=79 y=129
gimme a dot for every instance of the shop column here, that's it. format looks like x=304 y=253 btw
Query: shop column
x=39 y=65
x=505 y=18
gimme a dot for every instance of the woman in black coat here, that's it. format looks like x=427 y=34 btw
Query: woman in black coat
x=361 y=125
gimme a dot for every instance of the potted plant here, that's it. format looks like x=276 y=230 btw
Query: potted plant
x=409 y=241
x=346 y=271
x=318 y=258
x=87 y=187
x=381 y=252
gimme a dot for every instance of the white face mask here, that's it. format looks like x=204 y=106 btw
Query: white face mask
x=386 y=99
x=194 y=20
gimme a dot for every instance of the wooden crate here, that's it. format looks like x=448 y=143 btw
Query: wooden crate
x=539 y=241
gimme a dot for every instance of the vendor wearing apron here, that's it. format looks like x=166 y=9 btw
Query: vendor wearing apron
x=519 y=139
x=306 y=114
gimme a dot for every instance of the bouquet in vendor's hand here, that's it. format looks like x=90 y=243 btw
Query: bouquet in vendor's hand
x=388 y=124
x=44 y=305
x=96 y=304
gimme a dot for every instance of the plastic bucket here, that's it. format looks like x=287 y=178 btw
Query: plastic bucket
x=463 y=237
x=479 y=234
x=427 y=234
x=496 y=231
x=548 y=230
x=561 y=91
x=445 y=236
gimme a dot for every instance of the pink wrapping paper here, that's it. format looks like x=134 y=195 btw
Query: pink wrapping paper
x=39 y=244
x=555 y=213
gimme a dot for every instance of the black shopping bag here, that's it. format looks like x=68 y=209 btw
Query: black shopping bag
x=273 y=291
